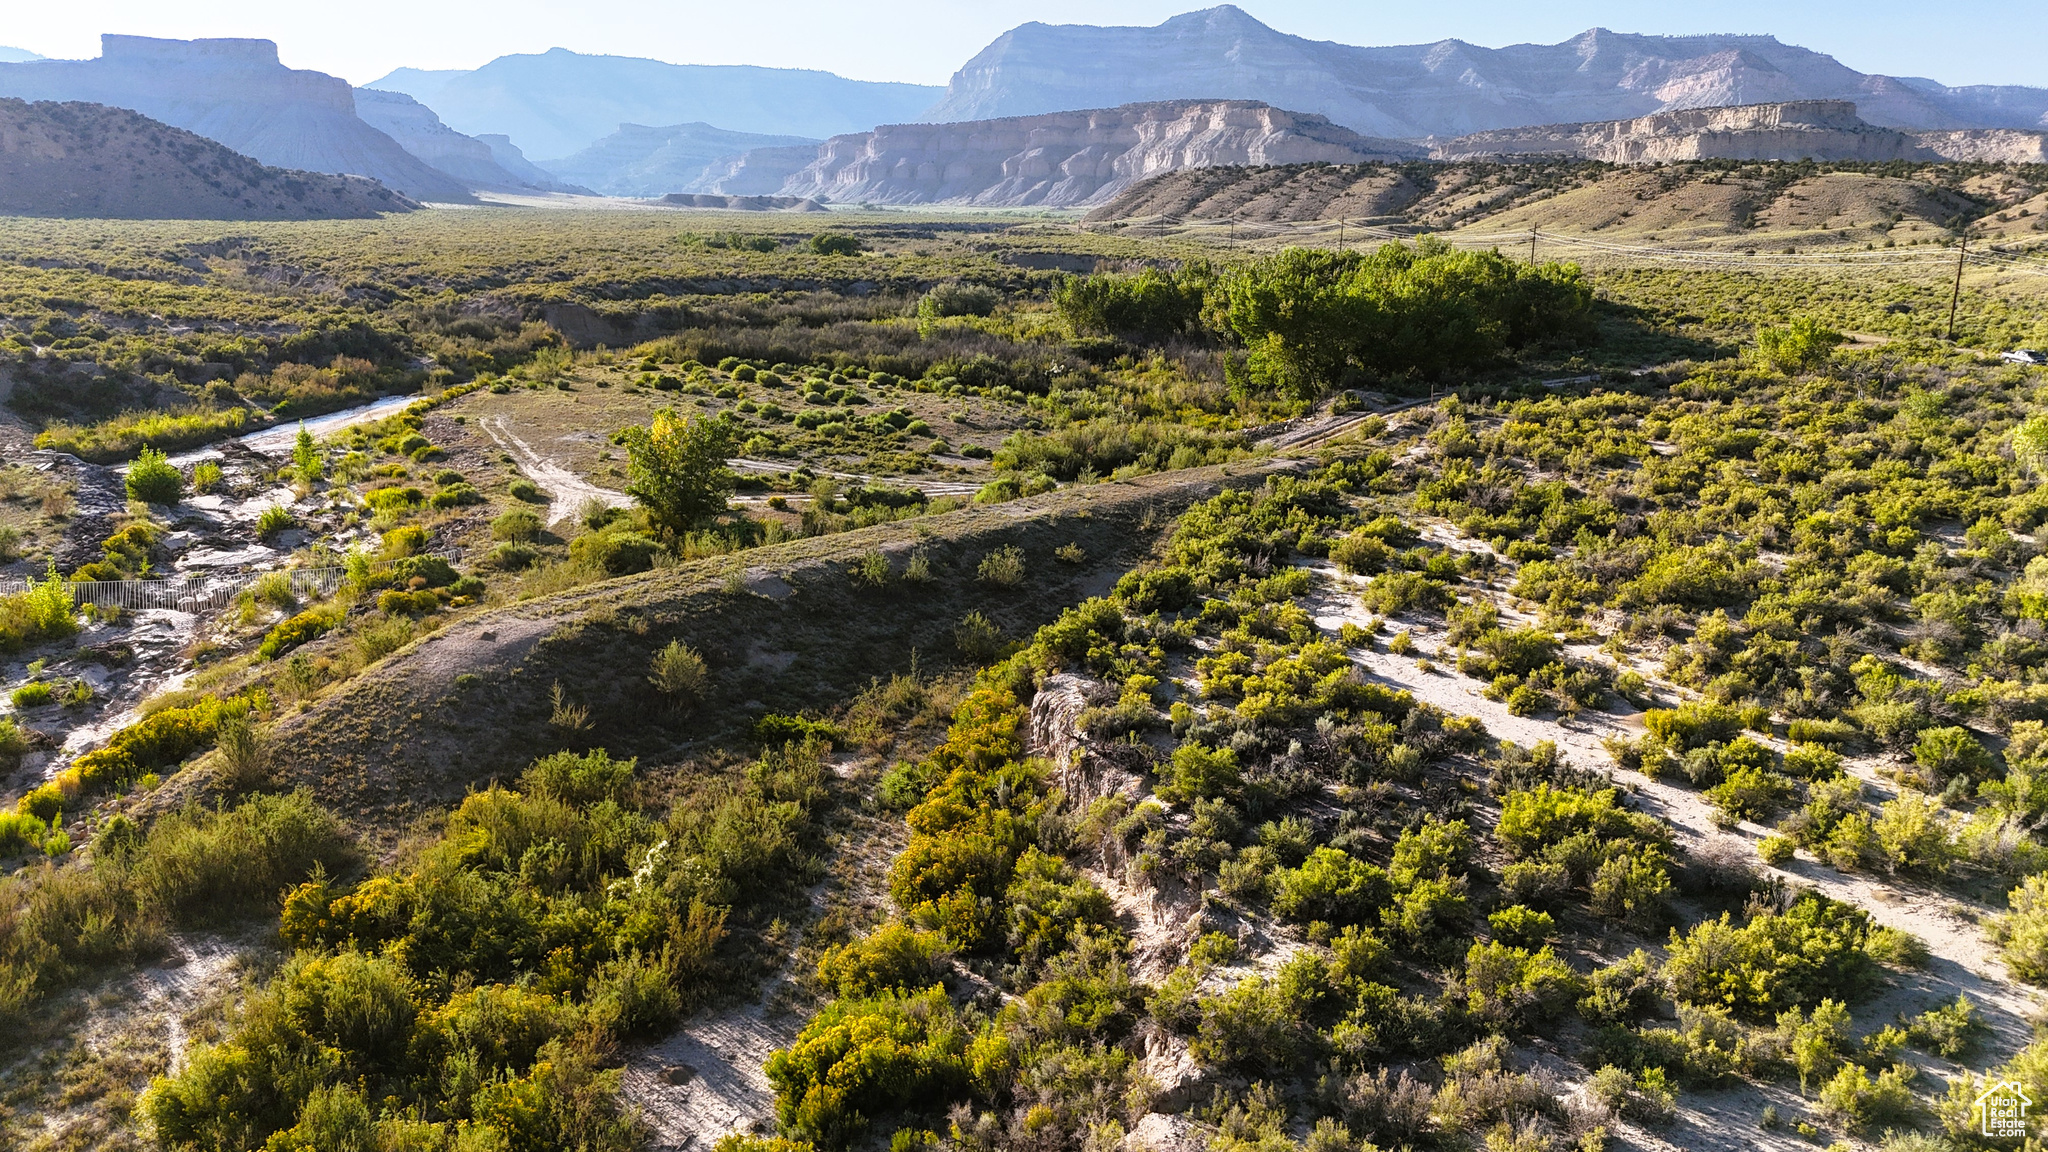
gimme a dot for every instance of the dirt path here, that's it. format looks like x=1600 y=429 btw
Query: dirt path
x=568 y=490
x=928 y=487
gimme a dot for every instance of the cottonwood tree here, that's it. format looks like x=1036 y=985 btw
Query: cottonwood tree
x=676 y=468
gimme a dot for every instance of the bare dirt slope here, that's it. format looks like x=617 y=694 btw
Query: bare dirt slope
x=472 y=702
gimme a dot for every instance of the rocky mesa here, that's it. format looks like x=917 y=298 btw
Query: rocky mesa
x=1068 y=159
x=238 y=93
x=1797 y=130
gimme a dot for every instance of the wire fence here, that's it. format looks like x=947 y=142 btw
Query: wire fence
x=193 y=591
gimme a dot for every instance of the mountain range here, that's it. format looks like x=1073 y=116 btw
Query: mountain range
x=236 y=92
x=559 y=102
x=1448 y=88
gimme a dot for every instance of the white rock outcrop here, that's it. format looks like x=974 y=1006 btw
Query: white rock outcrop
x=1795 y=130
x=1065 y=159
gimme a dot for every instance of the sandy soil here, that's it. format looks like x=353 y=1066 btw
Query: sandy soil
x=567 y=490
x=708 y=1080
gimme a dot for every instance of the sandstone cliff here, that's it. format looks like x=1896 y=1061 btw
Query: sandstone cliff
x=1447 y=88
x=237 y=93
x=1071 y=158
x=1828 y=130
x=89 y=160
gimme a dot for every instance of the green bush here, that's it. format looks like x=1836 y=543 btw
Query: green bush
x=1331 y=886
x=1779 y=960
x=1803 y=345
x=618 y=553
x=34 y=694
x=1148 y=304
x=860 y=1060
x=1510 y=988
x=892 y=958
x=44 y=611
x=153 y=480
x=1520 y=926
x=835 y=244
x=518 y=525
x=288 y=634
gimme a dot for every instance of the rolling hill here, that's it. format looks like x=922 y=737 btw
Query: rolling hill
x=1717 y=204
x=73 y=159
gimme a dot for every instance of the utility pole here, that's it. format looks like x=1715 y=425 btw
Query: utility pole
x=1532 y=244
x=1956 y=297
x=1340 y=233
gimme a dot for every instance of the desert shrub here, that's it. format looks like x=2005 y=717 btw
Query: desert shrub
x=892 y=958
x=207 y=476
x=1051 y=906
x=303 y=628
x=522 y=489
x=579 y=780
x=1331 y=886
x=393 y=499
x=380 y=638
x=1946 y=752
x=512 y=557
x=1197 y=771
x=1914 y=833
x=1802 y=345
x=1778 y=960
x=978 y=638
x=859 y=1060
x=156 y=743
x=1511 y=988
x=1951 y=1031
x=1394 y=593
x=1749 y=793
x=1520 y=926
x=956 y=299
x=34 y=694
x=618 y=553
x=1693 y=724
x=518 y=525
x=679 y=673
x=44 y=611
x=1003 y=567
x=153 y=480
x=455 y=496
x=1864 y=1104
x=835 y=244
x=1622 y=991
x=274 y=520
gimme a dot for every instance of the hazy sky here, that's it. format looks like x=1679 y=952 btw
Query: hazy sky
x=1956 y=42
